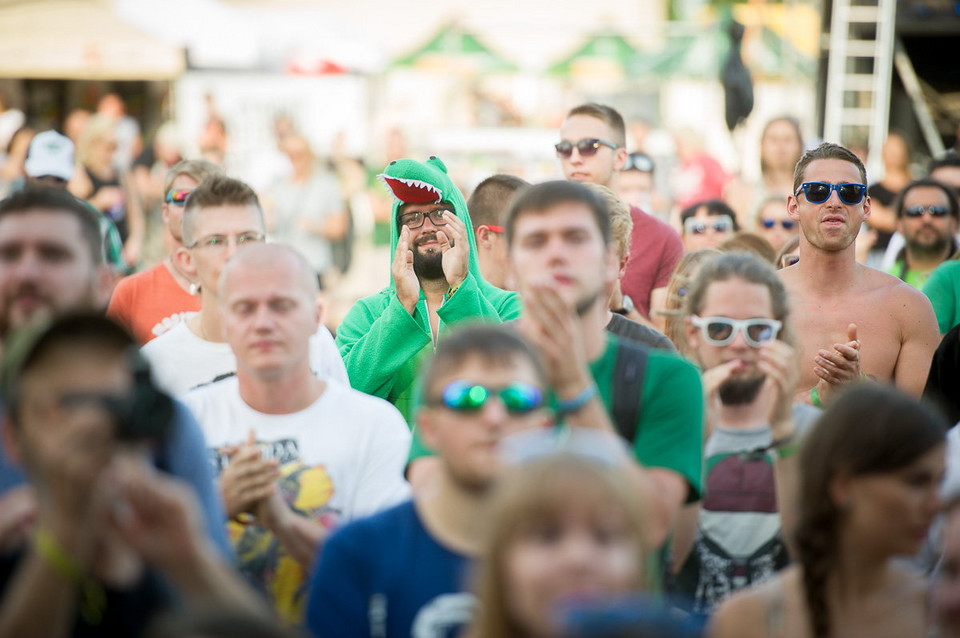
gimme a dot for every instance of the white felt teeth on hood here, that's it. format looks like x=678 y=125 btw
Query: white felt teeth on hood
x=413 y=183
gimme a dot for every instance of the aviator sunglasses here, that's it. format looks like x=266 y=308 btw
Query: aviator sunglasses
x=586 y=147
x=178 y=196
x=935 y=211
x=721 y=331
x=518 y=398
x=819 y=192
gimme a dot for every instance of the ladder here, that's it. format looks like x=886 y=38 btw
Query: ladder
x=860 y=64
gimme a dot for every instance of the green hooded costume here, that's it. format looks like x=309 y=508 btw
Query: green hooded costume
x=383 y=345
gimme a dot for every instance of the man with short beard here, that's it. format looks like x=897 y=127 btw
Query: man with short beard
x=436 y=282
x=736 y=326
x=927 y=216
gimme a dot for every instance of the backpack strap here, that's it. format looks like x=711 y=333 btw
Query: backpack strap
x=628 y=375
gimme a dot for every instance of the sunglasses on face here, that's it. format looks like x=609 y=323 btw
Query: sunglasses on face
x=178 y=196
x=721 y=331
x=587 y=147
x=518 y=398
x=786 y=224
x=694 y=226
x=415 y=220
x=819 y=192
x=935 y=211
x=638 y=162
x=789 y=260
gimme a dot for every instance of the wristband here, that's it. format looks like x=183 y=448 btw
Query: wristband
x=49 y=549
x=786 y=451
x=815 y=397
x=453 y=289
x=577 y=402
x=93 y=600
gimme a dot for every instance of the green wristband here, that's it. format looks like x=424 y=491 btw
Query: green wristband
x=815 y=397
x=786 y=451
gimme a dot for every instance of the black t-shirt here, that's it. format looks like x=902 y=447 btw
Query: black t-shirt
x=944 y=379
x=127 y=612
x=886 y=197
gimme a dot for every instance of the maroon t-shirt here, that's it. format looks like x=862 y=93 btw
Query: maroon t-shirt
x=655 y=249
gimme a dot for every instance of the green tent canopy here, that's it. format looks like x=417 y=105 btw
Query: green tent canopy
x=609 y=48
x=452 y=46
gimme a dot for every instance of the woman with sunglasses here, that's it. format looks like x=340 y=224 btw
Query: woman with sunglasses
x=869 y=476
x=773 y=223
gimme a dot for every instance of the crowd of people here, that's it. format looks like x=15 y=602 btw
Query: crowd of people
x=564 y=415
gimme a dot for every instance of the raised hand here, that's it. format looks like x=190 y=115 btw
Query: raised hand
x=455 y=246
x=550 y=323
x=778 y=360
x=405 y=280
x=248 y=478
x=839 y=367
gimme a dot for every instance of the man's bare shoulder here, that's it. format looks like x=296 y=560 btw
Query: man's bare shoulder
x=891 y=288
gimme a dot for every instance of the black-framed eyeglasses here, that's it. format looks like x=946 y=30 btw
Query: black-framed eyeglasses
x=416 y=219
x=221 y=242
x=587 y=147
x=786 y=224
x=819 y=192
x=935 y=211
x=721 y=331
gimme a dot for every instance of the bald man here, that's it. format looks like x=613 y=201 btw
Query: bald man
x=294 y=452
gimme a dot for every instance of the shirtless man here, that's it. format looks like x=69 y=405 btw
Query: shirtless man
x=850 y=320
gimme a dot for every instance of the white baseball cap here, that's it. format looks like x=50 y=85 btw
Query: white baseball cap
x=50 y=154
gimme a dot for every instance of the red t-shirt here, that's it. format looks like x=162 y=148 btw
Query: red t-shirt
x=150 y=302
x=655 y=249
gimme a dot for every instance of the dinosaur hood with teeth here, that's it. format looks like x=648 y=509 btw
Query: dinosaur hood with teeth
x=381 y=343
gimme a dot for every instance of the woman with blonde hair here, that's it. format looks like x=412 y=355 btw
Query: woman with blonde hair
x=868 y=491
x=108 y=188
x=669 y=315
x=564 y=529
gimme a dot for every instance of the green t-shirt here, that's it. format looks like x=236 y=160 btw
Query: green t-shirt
x=916 y=278
x=670 y=421
x=943 y=291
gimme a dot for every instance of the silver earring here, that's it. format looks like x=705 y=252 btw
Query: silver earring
x=194 y=289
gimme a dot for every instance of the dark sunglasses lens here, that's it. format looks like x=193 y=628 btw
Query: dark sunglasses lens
x=786 y=223
x=460 y=396
x=850 y=193
x=587 y=148
x=817 y=193
x=939 y=211
x=914 y=211
x=769 y=223
x=564 y=149
x=719 y=330
x=521 y=398
x=760 y=332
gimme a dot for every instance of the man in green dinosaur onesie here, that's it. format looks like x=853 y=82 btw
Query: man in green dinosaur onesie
x=435 y=282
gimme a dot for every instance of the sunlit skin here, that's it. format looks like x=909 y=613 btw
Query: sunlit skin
x=851 y=320
x=601 y=168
